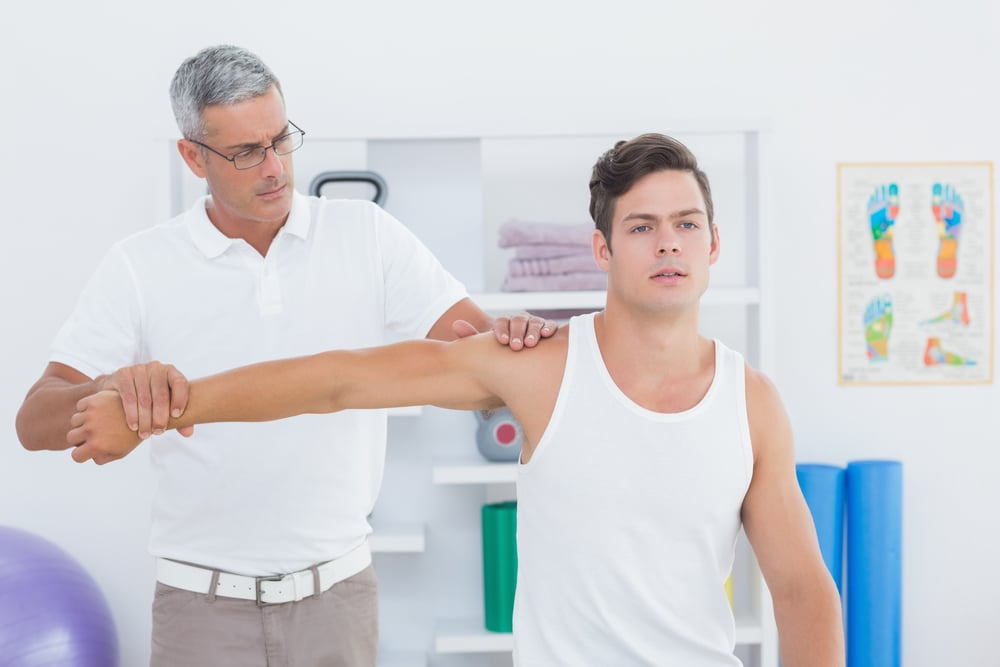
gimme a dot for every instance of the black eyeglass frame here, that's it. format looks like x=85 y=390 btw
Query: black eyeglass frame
x=263 y=149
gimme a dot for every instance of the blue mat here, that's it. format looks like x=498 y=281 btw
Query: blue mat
x=874 y=563
x=823 y=488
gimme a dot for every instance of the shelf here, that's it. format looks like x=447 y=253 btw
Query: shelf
x=394 y=538
x=469 y=635
x=462 y=471
x=516 y=301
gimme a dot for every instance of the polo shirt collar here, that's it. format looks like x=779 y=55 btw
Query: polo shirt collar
x=212 y=243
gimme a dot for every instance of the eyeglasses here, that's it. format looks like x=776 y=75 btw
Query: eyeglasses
x=252 y=157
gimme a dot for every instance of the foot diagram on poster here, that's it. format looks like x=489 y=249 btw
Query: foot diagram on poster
x=915 y=272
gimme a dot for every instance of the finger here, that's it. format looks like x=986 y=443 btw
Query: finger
x=518 y=331
x=144 y=401
x=101 y=459
x=159 y=394
x=123 y=382
x=75 y=436
x=82 y=454
x=463 y=328
x=538 y=328
x=186 y=431
x=179 y=392
x=501 y=329
x=534 y=331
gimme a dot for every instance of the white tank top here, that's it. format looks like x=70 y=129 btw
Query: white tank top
x=627 y=522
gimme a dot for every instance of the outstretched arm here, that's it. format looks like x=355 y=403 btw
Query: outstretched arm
x=777 y=522
x=410 y=373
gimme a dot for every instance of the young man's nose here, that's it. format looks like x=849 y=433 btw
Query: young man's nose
x=668 y=244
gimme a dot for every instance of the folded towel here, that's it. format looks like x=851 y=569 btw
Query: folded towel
x=583 y=280
x=554 y=265
x=546 y=250
x=518 y=232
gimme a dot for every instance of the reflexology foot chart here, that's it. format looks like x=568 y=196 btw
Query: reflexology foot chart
x=915 y=273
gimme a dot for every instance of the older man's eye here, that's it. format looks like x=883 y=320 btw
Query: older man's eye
x=248 y=153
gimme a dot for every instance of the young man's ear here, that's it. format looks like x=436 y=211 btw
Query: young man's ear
x=713 y=253
x=193 y=157
x=601 y=249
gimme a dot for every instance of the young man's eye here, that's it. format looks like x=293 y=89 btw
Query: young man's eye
x=641 y=228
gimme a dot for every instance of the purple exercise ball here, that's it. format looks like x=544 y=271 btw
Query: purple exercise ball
x=52 y=614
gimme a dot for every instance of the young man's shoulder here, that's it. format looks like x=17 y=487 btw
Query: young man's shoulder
x=759 y=385
x=768 y=420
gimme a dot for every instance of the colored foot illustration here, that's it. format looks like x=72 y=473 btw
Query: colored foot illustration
x=935 y=355
x=883 y=209
x=958 y=313
x=878 y=326
x=948 y=209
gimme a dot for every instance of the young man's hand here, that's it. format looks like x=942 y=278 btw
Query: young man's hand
x=99 y=430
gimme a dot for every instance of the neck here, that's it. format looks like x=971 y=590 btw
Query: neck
x=651 y=342
x=259 y=234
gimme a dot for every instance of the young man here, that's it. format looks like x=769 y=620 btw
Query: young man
x=253 y=271
x=645 y=444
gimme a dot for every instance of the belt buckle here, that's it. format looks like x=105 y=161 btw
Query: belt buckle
x=258 y=581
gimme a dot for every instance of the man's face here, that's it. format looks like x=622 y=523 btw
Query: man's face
x=662 y=240
x=261 y=194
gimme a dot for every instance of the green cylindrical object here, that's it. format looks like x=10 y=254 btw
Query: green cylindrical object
x=499 y=564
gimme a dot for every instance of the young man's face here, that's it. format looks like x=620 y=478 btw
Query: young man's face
x=261 y=194
x=663 y=243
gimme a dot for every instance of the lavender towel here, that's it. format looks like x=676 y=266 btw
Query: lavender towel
x=518 y=232
x=546 y=250
x=589 y=280
x=555 y=265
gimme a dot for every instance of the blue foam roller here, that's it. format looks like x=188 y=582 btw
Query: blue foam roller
x=823 y=488
x=874 y=563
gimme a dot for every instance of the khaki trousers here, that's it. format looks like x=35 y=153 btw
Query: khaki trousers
x=337 y=629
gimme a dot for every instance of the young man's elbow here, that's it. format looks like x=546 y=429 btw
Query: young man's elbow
x=813 y=590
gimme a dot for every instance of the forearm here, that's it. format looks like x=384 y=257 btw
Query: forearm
x=265 y=391
x=44 y=418
x=810 y=627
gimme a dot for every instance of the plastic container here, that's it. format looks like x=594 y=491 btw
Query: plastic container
x=499 y=564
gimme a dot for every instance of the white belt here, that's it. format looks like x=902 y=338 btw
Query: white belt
x=264 y=590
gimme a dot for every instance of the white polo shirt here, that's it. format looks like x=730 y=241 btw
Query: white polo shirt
x=262 y=498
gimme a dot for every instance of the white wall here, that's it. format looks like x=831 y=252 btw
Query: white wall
x=85 y=114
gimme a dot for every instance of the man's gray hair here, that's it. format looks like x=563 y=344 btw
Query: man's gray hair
x=216 y=75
